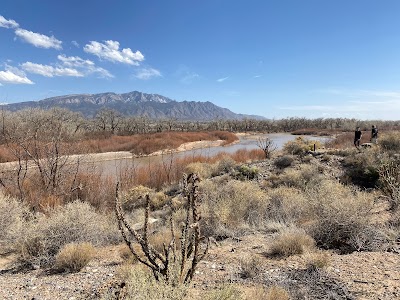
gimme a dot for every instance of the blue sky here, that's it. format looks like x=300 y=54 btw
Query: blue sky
x=275 y=58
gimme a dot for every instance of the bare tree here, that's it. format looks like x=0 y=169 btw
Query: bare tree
x=266 y=145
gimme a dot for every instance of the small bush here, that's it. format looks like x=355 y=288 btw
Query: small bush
x=302 y=177
x=284 y=161
x=300 y=146
x=291 y=242
x=204 y=170
x=224 y=165
x=250 y=266
x=73 y=257
x=245 y=172
x=317 y=260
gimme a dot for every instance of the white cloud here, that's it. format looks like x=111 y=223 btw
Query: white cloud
x=75 y=43
x=147 y=73
x=110 y=51
x=257 y=76
x=50 y=71
x=38 y=40
x=10 y=77
x=7 y=23
x=222 y=79
x=75 y=61
x=86 y=66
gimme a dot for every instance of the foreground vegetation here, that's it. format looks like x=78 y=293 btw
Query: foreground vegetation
x=313 y=205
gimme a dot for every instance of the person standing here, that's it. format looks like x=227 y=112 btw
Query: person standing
x=374 y=135
x=357 y=137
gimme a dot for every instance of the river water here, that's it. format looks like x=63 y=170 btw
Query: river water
x=247 y=142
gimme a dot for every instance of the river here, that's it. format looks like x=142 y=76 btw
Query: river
x=248 y=142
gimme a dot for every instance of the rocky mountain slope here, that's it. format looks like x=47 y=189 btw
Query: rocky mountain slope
x=135 y=104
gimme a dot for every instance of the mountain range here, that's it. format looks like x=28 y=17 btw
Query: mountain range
x=135 y=104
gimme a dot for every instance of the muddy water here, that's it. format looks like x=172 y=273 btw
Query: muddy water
x=248 y=142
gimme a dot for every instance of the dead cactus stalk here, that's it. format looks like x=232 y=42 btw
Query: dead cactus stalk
x=161 y=263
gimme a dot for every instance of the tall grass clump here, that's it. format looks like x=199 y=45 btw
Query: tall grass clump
x=291 y=241
x=44 y=236
x=73 y=257
x=232 y=206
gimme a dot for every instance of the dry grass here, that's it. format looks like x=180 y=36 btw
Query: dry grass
x=12 y=221
x=225 y=292
x=141 y=285
x=277 y=293
x=73 y=257
x=291 y=242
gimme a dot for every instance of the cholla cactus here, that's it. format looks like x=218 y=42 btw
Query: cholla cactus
x=164 y=263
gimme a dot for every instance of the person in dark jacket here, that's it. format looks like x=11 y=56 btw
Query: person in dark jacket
x=357 y=137
x=374 y=135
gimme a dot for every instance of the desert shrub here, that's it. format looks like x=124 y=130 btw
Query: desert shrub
x=233 y=205
x=283 y=161
x=134 y=197
x=300 y=146
x=362 y=169
x=340 y=214
x=44 y=236
x=245 y=172
x=250 y=267
x=277 y=293
x=12 y=220
x=390 y=182
x=390 y=141
x=204 y=170
x=225 y=165
x=225 y=292
x=291 y=242
x=141 y=285
x=301 y=177
x=286 y=205
x=73 y=257
x=317 y=260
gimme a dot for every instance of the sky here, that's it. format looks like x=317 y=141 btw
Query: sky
x=274 y=58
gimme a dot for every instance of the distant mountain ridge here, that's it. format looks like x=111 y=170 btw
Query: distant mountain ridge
x=135 y=103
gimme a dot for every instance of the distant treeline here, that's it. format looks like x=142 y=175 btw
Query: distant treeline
x=71 y=125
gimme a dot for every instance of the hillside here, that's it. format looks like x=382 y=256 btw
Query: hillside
x=135 y=104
